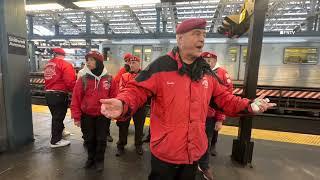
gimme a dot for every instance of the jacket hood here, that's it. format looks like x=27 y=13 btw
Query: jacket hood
x=86 y=70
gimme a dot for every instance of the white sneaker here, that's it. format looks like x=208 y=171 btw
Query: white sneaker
x=65 y=133
x=60 y=143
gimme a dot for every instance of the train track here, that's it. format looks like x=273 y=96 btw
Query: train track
x=293 y=101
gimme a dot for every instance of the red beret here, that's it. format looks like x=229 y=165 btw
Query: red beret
x=190 y=24
x=127 y=56
x=208 y=55
x=59 y=51
x=134 y=58
x=96 y=55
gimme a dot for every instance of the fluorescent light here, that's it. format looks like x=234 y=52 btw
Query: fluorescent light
x=41 y=7
x=104 y=3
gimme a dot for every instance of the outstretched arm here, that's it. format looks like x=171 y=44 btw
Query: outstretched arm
x=130 y=98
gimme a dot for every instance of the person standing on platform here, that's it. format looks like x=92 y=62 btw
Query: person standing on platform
x=181 y=85
x=138 y=117
x=124 y=69
x=83 y=72
x=60 y=79
x=94 y=85
x=214 y=118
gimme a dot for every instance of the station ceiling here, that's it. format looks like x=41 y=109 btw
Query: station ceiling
x=141 y=18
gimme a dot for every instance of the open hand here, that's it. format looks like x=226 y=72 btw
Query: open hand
x=261 y=104
x=111 y=108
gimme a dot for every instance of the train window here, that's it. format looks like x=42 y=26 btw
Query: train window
x=137 y=51
x=300 y=55
x=147 y=54
x=233 y=53
x=244 y=53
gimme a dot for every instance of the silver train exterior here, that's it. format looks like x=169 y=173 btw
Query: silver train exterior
x=285 y=61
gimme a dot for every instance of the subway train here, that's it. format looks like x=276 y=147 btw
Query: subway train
x=289 y=71
x=285 y=61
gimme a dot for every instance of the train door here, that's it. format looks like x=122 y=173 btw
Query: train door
x=232 y=62
x=144 y=53
x=238 y=55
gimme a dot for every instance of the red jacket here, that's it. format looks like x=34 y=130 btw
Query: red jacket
x=125 y=78
x=179 y=108
x=119 y=74
x=225 y=80
x=59 y=75
x=117 y=78
x=87 y=94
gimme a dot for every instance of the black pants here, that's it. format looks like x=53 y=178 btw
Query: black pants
x=212 y=136
x=138 y=119
x=58 y=105
x=161 y=170
x=95 y=135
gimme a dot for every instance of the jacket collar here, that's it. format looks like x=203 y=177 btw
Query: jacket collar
x=174 y=54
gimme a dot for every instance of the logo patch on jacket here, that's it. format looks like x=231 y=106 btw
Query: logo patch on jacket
x=170 y=83
x=49 y=70
x=106 y=84
x=205 y=83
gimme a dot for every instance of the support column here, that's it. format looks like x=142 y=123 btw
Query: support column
x=88 y=22
x=106 y=28
x=56 y=29
x=15 y=100
x=164 y=26
x=242 y=148
x=30 y=25
x=158 y=9
x=88 y=45
x=32 y=58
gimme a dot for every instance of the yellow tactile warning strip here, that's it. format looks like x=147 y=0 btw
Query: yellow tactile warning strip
x=287 y=137
x=43 y=109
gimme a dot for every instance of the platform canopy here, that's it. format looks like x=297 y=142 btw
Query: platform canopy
x=140 y=16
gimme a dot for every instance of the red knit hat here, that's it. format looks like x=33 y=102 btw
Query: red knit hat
x=134 y=58
x=96 y=55
x=190 y=24
x=59 y=51
x=209 y=55
x=127 y=56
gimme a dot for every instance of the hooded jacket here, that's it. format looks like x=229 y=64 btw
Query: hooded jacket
x=179 y=106
x=88 y=91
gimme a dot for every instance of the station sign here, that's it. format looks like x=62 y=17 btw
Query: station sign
x=17 y=45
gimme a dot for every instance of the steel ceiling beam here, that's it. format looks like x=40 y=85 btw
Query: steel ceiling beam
x=135 y=18
x=217 y=14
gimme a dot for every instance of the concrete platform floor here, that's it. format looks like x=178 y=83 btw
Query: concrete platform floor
x=37 y=161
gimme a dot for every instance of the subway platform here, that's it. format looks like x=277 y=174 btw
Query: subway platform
x=277 y=155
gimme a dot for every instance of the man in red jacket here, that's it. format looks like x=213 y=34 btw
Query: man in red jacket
x=214 y=118
x=138 y=118
x=181 y=85
x=125 y=68
x=94 y=85
x=59 y=78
